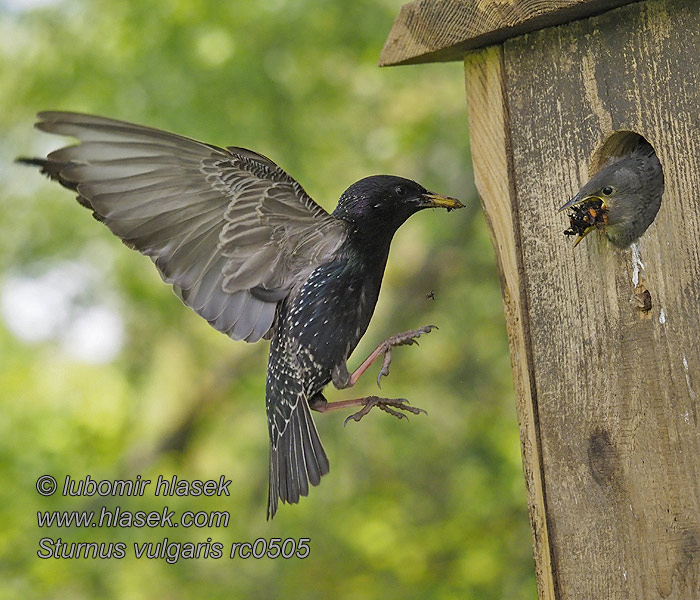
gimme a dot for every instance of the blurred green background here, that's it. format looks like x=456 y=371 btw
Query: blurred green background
x=104 y=372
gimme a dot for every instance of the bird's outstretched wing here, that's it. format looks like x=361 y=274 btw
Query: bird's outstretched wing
x=228 y=228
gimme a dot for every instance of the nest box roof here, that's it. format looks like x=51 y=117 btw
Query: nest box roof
x=444 y=30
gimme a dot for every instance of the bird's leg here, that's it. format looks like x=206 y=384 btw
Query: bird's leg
x=388 y=405
x=343 y=379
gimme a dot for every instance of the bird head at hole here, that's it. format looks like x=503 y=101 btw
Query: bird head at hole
x=621 y=200
x=382 y=203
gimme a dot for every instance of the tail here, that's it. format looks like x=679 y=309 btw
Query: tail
x=296 y=459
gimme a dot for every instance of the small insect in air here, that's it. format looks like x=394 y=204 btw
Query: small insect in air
x=430 y=295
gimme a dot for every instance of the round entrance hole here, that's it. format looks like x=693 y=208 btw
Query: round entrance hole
x=623 y=195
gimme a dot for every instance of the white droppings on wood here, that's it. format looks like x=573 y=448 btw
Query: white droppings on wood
x=637 y=264
x=691 y=391
x=662 y=316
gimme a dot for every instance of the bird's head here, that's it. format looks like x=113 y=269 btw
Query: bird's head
x=379 y=205
x=622 y=199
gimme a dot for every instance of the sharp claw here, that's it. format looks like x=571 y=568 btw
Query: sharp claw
x=357 y=416
x=384 y=371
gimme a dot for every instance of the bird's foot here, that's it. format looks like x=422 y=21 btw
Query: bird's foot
x=388 y=405
x=342 y=379
x=407 y=338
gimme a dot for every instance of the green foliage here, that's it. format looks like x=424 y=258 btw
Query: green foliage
x=430 y=509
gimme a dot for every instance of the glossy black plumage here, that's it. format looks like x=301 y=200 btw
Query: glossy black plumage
x=245 y=247
x=319 y=325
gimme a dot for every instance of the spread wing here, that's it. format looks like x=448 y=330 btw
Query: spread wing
x=228 y=228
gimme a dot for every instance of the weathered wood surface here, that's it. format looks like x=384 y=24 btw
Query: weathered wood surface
x=444 y=30
x=493 y=176
x=608 y=394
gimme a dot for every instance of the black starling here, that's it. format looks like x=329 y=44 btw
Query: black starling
x=244 y=246
x=621 y=200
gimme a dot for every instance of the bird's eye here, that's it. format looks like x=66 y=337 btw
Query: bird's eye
x=400 y=191
x=608 y=190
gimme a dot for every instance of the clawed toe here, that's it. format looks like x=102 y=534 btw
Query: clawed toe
x=390 y=406
x=407 y=338
x=384 y=371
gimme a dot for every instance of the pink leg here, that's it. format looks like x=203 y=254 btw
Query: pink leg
x=407 y=338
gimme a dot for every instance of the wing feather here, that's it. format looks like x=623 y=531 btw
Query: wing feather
x=228 y=228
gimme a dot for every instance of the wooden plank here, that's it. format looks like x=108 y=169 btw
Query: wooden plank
x=430 y=31
x=493 y=174
x=615 y=390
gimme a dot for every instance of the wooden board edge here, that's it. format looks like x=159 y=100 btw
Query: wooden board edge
x=488 y=129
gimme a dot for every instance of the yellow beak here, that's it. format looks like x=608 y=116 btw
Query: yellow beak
x=583 y=235
x=577 y=200
x=436 y=201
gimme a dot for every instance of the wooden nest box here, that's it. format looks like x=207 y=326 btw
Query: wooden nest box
x=605 y=343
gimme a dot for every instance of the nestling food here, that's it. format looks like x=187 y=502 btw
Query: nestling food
x=246 y=248
x=621 y=200
x=584 y=217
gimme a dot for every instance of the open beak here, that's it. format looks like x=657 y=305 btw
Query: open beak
x=580 y=200
x=583 y=235
x=431 y=200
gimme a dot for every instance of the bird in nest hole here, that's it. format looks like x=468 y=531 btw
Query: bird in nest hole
x=621 y=200
x=246 y=248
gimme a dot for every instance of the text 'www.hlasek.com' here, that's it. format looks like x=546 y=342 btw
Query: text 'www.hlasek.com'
x=104 y=518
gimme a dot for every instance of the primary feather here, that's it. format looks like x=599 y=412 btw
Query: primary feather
x=227 y=228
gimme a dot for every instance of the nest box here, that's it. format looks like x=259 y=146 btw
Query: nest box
x=605 y=343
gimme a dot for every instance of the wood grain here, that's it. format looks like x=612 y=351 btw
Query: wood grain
x=613 y=390
x=438 y=31
x=493 y=174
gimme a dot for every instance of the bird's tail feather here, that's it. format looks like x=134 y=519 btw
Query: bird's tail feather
x=297 y=459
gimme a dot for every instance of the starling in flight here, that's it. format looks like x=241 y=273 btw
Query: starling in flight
x=246 y=248
x=621 y=200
